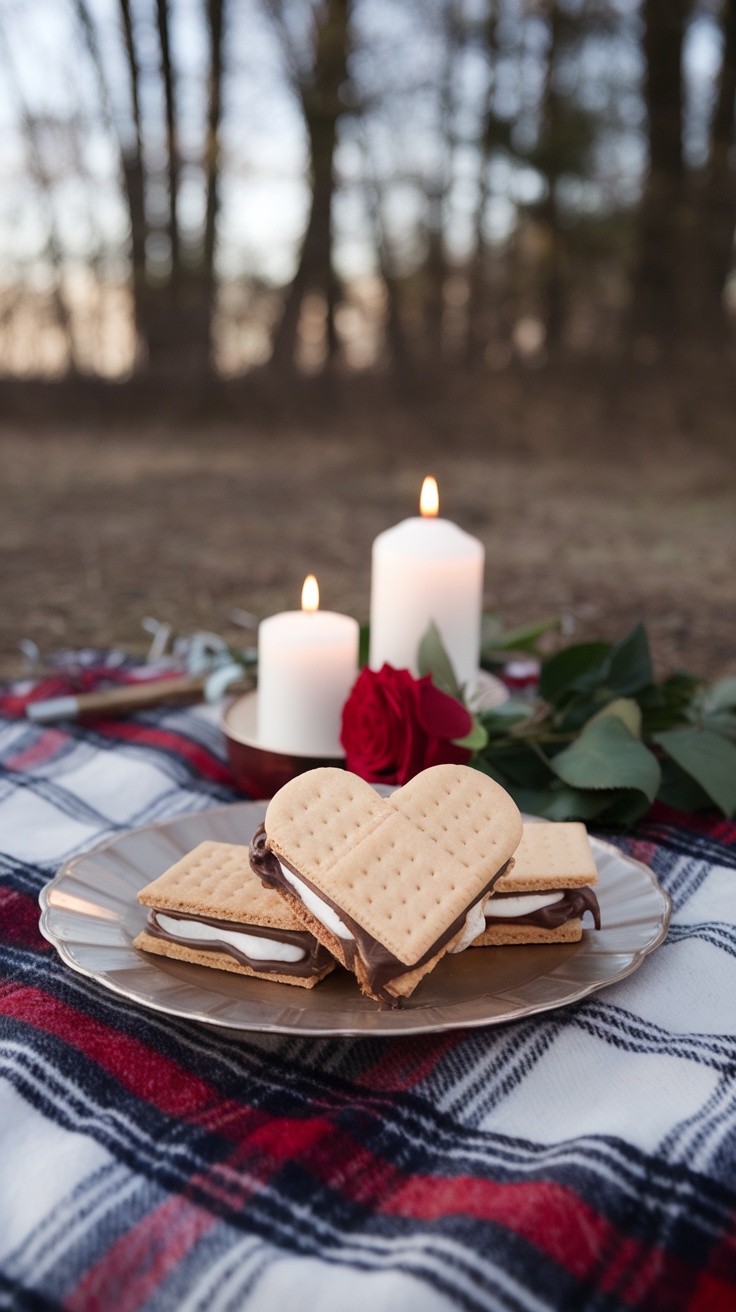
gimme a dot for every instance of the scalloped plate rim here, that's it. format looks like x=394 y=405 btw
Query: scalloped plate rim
x=374 y=1024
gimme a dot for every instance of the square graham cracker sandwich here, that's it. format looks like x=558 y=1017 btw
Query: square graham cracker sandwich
x=210 y=909
x=544 y=898
x=388 y=885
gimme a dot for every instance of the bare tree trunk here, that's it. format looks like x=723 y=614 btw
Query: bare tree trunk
x=436 y=273
x=437 y=193
x=89 y=36
x=130 y=151
x=215 y=16
x=553 y=280
x=133 y=174
x=398 y=351
x=399 y=356
x=172 y=143
x=657 y=280
x=322 y=108
x=202 y=283
x=476 y=327
x=476 y=339
x=174 y=316
x=717 y=212
x=40 y=176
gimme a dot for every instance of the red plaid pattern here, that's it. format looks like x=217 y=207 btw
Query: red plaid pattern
x=584 y=1159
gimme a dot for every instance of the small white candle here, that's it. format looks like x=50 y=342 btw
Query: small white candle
x=307 y=664
x=427 y=569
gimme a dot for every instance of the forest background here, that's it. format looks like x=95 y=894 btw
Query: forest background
x=262 y=252
x=203 y=186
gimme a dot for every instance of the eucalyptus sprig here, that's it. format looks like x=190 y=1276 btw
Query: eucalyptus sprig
x=603 y=739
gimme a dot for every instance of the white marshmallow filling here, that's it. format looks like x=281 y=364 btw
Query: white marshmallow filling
x=475 y=923
x=325 y=914
x=252 y=946
x=510 y=908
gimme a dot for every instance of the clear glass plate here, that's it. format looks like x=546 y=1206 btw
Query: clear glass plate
x=91 y=916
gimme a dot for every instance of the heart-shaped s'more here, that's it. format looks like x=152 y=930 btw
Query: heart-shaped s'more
x=388 y=885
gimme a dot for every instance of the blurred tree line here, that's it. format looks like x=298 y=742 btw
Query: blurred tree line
x=450 y=184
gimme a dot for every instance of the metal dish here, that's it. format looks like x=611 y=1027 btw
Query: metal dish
x=258 y=770
x=91 y=916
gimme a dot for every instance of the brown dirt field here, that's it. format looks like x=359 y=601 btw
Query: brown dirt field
x=99 y=529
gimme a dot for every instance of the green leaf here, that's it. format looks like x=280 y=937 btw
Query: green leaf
x=433 y=659
x=607 y=755
x=722 y=723
x=619 y=806
x=579 y=712
x=491 y=630
x=523 y=638
x=488 y=765
x=626 y=709
x=245 y=656
x=518 y=763
x=597 y=672
x=364 y=643
x=530 y=800
x=499 y=720
x=680 y=790
x=626 y=807
x=476 y=740
x=708 y=758
x=628 y=668
x=721 y=696
x=668 y=704
x=561 y=672
x=574 y=804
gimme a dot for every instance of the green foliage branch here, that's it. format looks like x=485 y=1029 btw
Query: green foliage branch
x=602 y=740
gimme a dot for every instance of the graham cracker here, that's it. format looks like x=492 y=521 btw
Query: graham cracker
x=495 y=936
x=550 y=856
x=222 y=961
x=215 y=879
x=404 y=867
x=401 y=986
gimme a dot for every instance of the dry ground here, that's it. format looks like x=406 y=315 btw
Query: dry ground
x=100 y=529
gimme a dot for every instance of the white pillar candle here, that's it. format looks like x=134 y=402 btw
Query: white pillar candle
x=307 y=664
x=426 y=569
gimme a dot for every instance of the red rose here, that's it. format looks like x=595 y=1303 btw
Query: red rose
x=394 y=725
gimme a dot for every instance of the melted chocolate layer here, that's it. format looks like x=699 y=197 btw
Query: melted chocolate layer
x=316 y=957
x=571 y=906
x=381 y=964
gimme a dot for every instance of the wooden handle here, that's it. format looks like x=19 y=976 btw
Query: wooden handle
x=137 y=696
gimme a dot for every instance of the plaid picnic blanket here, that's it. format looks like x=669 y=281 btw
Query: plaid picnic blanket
x=584 y=1159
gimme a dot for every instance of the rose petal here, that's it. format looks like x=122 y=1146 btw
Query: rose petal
x=443 y=752
x=440 y=715
x=394 y=725
x=371 y=728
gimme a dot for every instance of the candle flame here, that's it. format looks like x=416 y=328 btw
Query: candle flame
x=429 y=501
x=310 y=593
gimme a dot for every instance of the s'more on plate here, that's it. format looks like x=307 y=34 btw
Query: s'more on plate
x=388 y=885
x=544 y=897
x=210 y=909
